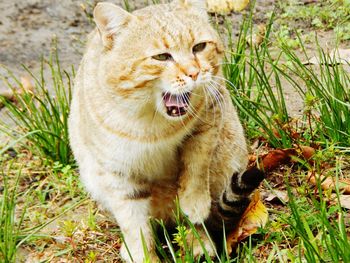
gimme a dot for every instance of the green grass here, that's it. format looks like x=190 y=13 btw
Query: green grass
x=179 y=246
x=257 y=77
x=30 y=200
x=40 y=115
x=311 y=227
x=10 y=223
x=257 y=92
x=324 y=15
x=319 y=238
x=325 y=89
x=307 y=230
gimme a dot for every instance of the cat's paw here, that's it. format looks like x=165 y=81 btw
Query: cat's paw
x=124 y=254
x=138 y=256
x=198 y=247
x=196 y=206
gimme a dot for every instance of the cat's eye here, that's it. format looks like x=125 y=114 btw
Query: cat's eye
x=199 y=47
x=163 y=57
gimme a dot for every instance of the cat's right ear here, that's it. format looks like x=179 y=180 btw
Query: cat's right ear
x=109 y=19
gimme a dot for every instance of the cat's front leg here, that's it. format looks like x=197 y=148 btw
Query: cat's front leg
x=132 y=214
x=194 y=192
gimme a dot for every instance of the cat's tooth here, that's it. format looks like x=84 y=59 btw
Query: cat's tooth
x=173 y=111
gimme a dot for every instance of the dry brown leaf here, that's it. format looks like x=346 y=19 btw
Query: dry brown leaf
x=226 y=6
x=27 y=84
x=276 y=195
x=343 y=199
x=258 y=36
x=335 y=56
x=8 y=94
x=307 y=151
x=255 y=216
x=252 y=158
x=329 y=182
x=275 y=158
x=254 y=146
x=307 y=2
x=239 y=5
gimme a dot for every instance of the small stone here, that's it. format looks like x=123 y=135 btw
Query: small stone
x=11 y=152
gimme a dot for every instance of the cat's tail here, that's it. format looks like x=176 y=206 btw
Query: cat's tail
x=228 y=210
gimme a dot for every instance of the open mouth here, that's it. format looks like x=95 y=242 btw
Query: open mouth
x=176 y=104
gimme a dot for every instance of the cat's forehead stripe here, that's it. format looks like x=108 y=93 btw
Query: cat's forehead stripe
x=165 y=42
x=191 y=34
x=172 y=30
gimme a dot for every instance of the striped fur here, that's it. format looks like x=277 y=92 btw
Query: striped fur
x=228 y=209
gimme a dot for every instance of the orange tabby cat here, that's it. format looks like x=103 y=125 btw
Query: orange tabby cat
x=151 y=120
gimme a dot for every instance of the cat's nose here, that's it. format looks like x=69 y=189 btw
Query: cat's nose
x=193 y=73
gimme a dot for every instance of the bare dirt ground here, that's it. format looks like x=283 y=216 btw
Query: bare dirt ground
x=29 y=28
x=27 y=31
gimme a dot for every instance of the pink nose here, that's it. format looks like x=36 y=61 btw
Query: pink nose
x=193 y=73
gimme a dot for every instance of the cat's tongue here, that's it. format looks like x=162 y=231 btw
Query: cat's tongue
x=176 y=105
x=179 y=101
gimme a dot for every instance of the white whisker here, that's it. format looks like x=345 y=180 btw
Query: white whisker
x=215 y=86
x=183 y=124
x=212 y=101
x=212 y=90
x=226 y=80
x=191 y=109
x=157 y=107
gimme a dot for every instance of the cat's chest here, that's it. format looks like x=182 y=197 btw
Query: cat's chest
x=152 y=159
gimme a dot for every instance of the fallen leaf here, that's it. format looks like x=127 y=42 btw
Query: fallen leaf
x=307 y=151
x=258 y=36
x=335 y=56
x=254 y=217
x=251 y=158
x=343 y=199
x=276 y=196
x=275 y=158
x=226 y=6
x=239 y=5
x=254 y=146
x=8 y=94
x=328 y=182
x=27 y=85
x=307 y=2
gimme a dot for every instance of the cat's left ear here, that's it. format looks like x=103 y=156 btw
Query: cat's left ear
x=110 y=19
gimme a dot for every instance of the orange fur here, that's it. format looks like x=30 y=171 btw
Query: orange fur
x=134 y=157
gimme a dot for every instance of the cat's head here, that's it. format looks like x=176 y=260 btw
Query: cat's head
x=161 y=57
